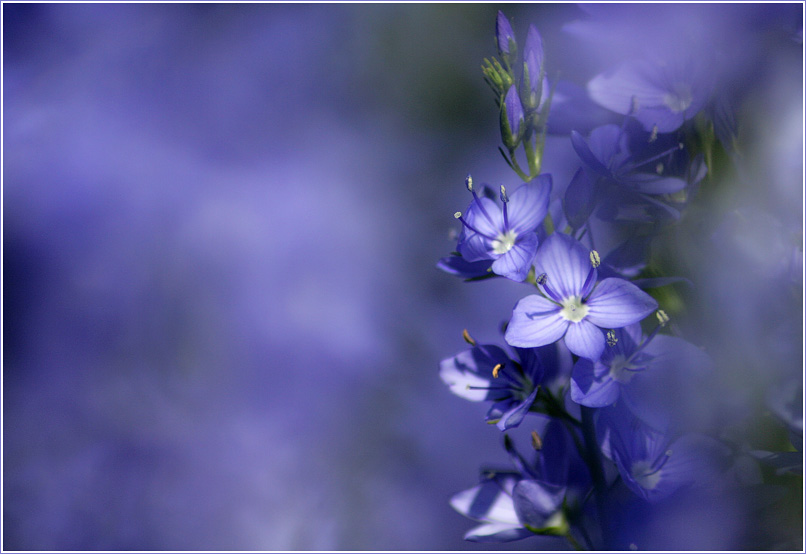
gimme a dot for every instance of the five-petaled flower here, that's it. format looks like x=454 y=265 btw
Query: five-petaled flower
x=574 y=306
x=506 y=235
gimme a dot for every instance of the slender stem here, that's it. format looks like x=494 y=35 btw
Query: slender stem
x=594 y=461
x=517 y=168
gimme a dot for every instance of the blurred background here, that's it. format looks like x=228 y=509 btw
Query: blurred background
x=222 y=319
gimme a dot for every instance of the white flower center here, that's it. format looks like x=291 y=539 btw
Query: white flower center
x=504 y=242
x=574 y=309
x=644 y=475
x=679 y=100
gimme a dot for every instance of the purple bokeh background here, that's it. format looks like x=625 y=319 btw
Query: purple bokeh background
x=222 y=316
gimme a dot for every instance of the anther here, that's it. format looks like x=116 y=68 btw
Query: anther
x=537 y=442
x=468 y=339
x=469 y=182
x=659 y=168
x=541 y=279
x=612 y=339
x=663 y=319
x=496 y=369
x=458 y=215
x=654 y=136
x=504 y=197
x=595 y=259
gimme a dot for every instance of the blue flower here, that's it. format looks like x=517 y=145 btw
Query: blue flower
x=629 y=184
x=574 y=307
x=659 y=95
x=507 y=234
x=486 y=373
x=514 y=504
x=650 y=462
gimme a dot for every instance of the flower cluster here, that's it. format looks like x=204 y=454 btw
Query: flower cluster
x=594 y=374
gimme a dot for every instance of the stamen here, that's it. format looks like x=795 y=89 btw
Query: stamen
x=504 y=201
x=654 y=136
x=469 y=182
x=611 y=338
x=537 y=442
x=458 y=215
x=468 y=339
x=657 y=156
x=590 y=279
x=496 y=369
x=663 y=319
x=543 y=281
x=595 y=259
x=659 y=168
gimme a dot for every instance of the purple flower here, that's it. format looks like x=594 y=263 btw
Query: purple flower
x=574 y=306
x=629 y=185
x=660 y=96
x=653 y=464
x=507 y=234
x=486 y=373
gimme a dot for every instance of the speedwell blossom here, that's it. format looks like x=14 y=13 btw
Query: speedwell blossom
x=486 y=373
x=574 y=306
x=652 y=463
x=507 y=234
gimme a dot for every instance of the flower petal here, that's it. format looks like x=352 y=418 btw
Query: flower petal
x=486 y=216
x=565 y=262
x=457 y=265
x=497 y=532
x=469 y=373
x=585 y=339
x=592 y=386
x=514 y=416
x=516 y=263
x=490 y=501
x=536 y=501
x=650 y=183
x=616 y=303
x=535 y=321
x=474 y=248
x=528 y=205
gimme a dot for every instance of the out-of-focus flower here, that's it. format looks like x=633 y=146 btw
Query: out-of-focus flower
x=659 y=95
x=505 y=235
x=628 y=185
x=574 y=307
x=652 y=463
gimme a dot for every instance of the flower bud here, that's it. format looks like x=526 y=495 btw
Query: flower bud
x=505 y=37
x=532 y=85
x=512 y=119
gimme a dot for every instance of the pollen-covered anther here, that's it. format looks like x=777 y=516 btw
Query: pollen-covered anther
x=469 y=182
x=541 y=279
x=654 y=136
x=496 y=369
x=595 y=259
x=468 y=339
x=504 y=197
x=457 y=215
x=663 y=319
x=537 y=442
x=611 y=338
